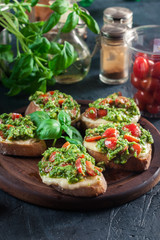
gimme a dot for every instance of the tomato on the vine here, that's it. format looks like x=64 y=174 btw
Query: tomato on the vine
x=141 y=67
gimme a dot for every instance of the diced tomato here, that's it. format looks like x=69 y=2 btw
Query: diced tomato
x=106 y=101
x=91 y=113
x=101 y=112
x=90 y=168
x=51 y=92
x=131 y=138
x=61 y=101
x=82 y=156
x=110 y=132
x=122 y=102
x=99 y=169
x=43 y=95
x=133 y=128
x=65 y=164
x=66 y=145
x=92 y=138
x=136 y=148
x=74 y=111
x=111 y=143
x=9 y=125
x=79 y=166
x=16 y=115
x=52 y=156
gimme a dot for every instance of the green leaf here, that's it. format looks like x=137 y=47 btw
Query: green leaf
x=40 y=45
x=5 y=53
x=63 y=60
x=91 y=23
x=55 y=48
x=49 y=129
x=60 y=6
x=64 y=118
x=72 y=141
x=34 y=2
x=71 y=22
x=51 y=22
x=72 y=132
x=14 y=91
x=43 y=86
x=38 y=116
x=86 y=3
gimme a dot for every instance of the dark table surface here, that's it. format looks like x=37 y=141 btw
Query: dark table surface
x=138 y=219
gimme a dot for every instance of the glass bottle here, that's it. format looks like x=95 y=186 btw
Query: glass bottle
x=113 y=54
x=80 y=68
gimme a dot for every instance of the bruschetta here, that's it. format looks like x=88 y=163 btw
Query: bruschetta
x=17 y=136
x=121 y=146
x=72 y=171
x=114 y=108
x=53 y=102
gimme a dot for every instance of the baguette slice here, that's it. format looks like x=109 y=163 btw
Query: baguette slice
x=141 y=163
x=114 y=108
x=71 y=171
x=27 y=148
x=88 y=187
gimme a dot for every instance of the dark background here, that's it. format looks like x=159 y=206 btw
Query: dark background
x=139 y=219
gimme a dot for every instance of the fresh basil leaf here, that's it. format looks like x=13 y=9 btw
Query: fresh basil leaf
x=91 y=23
x=51 y=22
x=72 y=132
x=49 y=129
x=55 y=48
x=43 y=86
x=34 y=2
x=64 y=118
x=71 y=22
x=5 y=53
x=60 y=6
x=86 y=3
x=38 y=116
x=14 y=91
x=40 y=45
x=72 y=141
x=63 y=60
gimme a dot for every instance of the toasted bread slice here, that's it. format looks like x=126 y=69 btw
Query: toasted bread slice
x=88 y=187
x=120 y=146
x=114 y=108
x=27 y=148
x=135 y=164
x=53 y=102
x=70 y=170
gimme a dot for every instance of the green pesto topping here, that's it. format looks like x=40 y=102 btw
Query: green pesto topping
x=54 y=101
x=63 y=165
x=16 y=128
x=123 y=148
x=119 y=108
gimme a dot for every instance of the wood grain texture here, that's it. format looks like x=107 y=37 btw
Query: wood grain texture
x=19 y=177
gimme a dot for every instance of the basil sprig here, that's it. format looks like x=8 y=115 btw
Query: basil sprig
x=53 y=129
x=37 y=60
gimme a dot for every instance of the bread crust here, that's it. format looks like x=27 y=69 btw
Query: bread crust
x=90 y=123
x=132 y=164
x=96 y=187
x=28 y=148
x=33 y=107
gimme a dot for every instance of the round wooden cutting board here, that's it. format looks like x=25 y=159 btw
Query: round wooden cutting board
x=19 y=177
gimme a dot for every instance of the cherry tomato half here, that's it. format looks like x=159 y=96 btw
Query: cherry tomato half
x=101 y=112
x=141 y=67
x=111 y=143
x=91 y=113
x=133 y=128
x=110 y=132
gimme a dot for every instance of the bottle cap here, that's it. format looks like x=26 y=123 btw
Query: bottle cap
x=114 y=30
x=117 y=14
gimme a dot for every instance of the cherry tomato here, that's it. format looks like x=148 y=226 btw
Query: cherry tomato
x=52 y=157
x=150 y=84
x=156 y=70
x=144 y=97
x=79 y=166
x=141 y=67
x=139 y=102
x=130 y=138
x=136 y=148
x=91 y=113
x=110 y=132
x=16 y=115
x=155 y=58
x=111 y=143
x=90 y=169
x=92 y=138
x=140 y=54
x=101 y=112
x=136 y=82
x=156 y=96
x=133 y=128
x=153 y=108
